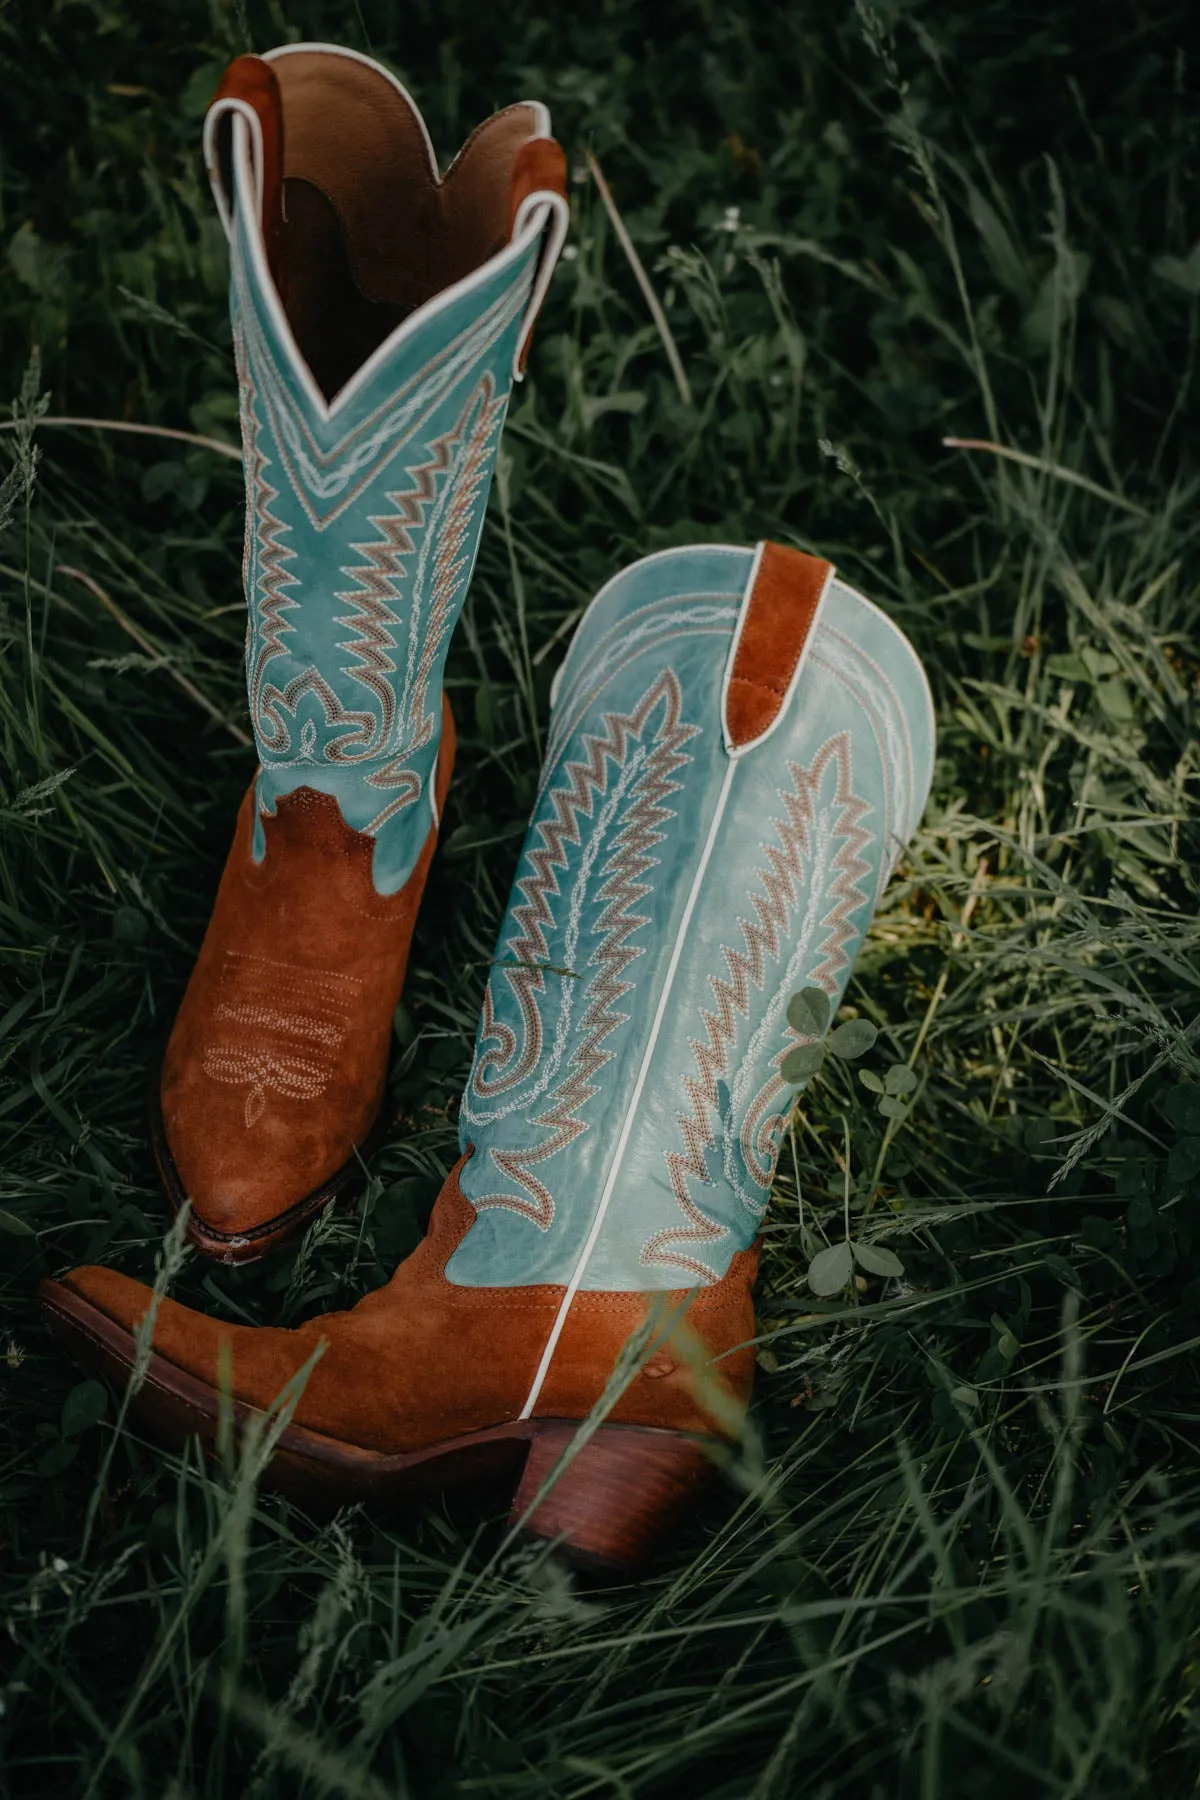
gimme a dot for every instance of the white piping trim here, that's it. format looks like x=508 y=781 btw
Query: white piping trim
x=743 y=614
x=264 y=281
x=535 y=210
x=631 y=1111
x=733 y=749
x=642 y=562
x=219 y=110
x=541 y=113
x=557 y=678
x=248 y=170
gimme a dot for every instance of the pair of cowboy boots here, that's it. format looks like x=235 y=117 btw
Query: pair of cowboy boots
x=739 y=747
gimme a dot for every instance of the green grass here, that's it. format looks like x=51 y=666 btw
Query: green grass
x=959 y=1552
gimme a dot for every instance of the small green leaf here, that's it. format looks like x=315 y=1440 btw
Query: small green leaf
x=900 y=1079
x=808 y=1011
x=485 y=712
x=60 y=1456
x=1181 y=271
x=1115 y=700
x=199 y=89
x=1183 y=1163
x=892 y=1108
x=15 y=1227
x=1182 y=1106
x=85 y=1405
x=852 y=1039
x=1060 y=1268
x=831 y=1269
x=129 y=926
x=1007 y=1343
x=1117 y=319
x=965 y=1396
x=876 y=1260
x=1039 y=1135
x=399 y=1217
x=800 y=1063
x=1067 y=667
x=870 y=1081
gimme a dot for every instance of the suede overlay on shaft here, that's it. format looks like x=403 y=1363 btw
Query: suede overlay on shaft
x=783 y=605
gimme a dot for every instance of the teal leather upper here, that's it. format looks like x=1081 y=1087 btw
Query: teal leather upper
x=362 y=523
x=625 y=1105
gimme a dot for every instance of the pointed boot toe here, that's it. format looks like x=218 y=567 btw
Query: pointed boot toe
x=195 y=1366
x=95 y=1314
x=381 y=314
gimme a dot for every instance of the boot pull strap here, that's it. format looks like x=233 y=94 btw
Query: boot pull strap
x=774 y=630
x=538 y=196
x=249 y=92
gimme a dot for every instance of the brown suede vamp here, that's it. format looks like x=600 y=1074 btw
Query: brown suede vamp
x=275 y=1069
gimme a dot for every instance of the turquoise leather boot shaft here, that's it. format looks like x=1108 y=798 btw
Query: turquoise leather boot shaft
x=730 y=776
x=364 y=505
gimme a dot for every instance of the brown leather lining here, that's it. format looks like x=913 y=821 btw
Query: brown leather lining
x=360 y=230
x=353 y=136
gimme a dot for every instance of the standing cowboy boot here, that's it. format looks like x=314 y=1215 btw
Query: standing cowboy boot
x=740 y=746
x=380 y=314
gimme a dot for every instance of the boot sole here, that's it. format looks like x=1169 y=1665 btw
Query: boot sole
x=607 y=1509
x=256 y=1241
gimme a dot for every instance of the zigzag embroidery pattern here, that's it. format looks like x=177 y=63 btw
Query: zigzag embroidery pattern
x=757 y=1137
x=870 y=685
x=362 y=734
x=451 y=530
x=640 y=829
x=379 y=578
x=265 y=577
x=774 y=905
x=267 y=580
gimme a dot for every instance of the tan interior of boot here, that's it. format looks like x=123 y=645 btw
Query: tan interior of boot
x=370 y=235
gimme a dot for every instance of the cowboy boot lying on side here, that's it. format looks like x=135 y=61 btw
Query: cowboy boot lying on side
x=739 y=748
